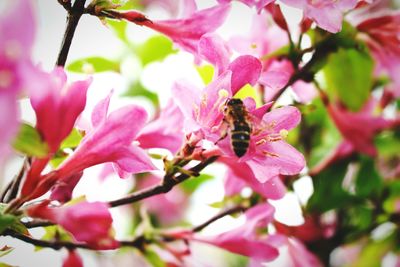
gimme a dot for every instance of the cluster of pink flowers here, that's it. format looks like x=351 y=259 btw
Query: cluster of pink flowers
x=194 y=116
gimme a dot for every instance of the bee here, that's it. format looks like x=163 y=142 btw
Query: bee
x=236 y=117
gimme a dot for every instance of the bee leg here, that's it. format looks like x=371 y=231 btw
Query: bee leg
x=224 y=127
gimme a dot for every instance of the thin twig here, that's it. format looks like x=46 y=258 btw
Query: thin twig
x=17 y=182
x=167 y=184
x=66 y=4
x=5 y=191
x=74 y=15
x=218 y=216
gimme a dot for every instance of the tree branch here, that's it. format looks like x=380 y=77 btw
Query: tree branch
x=74 y=15
x=220 y=215
x=167 y=184
x=66 y=4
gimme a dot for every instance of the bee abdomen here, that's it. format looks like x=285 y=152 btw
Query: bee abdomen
x=240 y=142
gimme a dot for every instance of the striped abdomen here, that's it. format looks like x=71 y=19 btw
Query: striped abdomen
x=240 y=137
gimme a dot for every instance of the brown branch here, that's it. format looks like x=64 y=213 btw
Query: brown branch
x=167 y=184
x=74 y=15
x=17 y=182
x=5 y=191
x=37 y=223
x=66 y=4
x=220 y=215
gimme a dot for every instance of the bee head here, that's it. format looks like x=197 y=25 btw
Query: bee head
x=234 y=102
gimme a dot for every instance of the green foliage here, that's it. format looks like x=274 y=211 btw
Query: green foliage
x=372 y=254
x=72 y=140
x=137 y=89
x=2 y=264
x=206 y=73
x=368 y=181
x=328 y=191
x=10 y=221
x=192 y=184
x=154 y=49
x=388 y=143
x=94 y=65
x=153 y=258
x=348 y=75
x=29 y=142
x=249 y=91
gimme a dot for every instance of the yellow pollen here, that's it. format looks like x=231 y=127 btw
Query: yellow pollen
x=196 y=111
x=283 y=133
x=253 y=45
x=203 y=102
x=6 y=78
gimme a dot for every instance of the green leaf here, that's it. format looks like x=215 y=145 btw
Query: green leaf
x=93 y=65
x=192 y=184
x=137 y=89
x=373 y=253
x=206 y=73
x=29 y=142
x=348 y=75
x=72 y=140
x=6 y=220
x=153 y=258
x=328 y=191
x=154 y=49
x=388 y=143
x=5 y=250
x=119 y=28
x=368 y=180
x=2 y=264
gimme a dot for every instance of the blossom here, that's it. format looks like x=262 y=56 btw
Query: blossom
x=57 y=106
x=359 y=128
x=328 y=14
x=380 y=31
x=185 y=32
x=17 y=30
x=243 y=239
x=72 y=260
x=88 y=222
x=259 y=4
x=110 y=140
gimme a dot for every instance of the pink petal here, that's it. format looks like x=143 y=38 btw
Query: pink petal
x=305 y=92
x=214 y=49
x=73 y=260
x=285 y=118
x=164 y=132
x=133 y=160
x=245 y=70
x=282 y=159
x=99 y=113
x=275 y=77
x=187 y=32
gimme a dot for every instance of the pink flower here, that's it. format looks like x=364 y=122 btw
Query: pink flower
x=328 y=14
x=17 y=29
x=185 y=32
x=90 y=223
x=259 y=4
x=72 y=260
x=359 y=128
x=110 y=140
x=244 y=239
x=268 y=155
x=166 y=131
x=57 y=106
x=381 y=31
